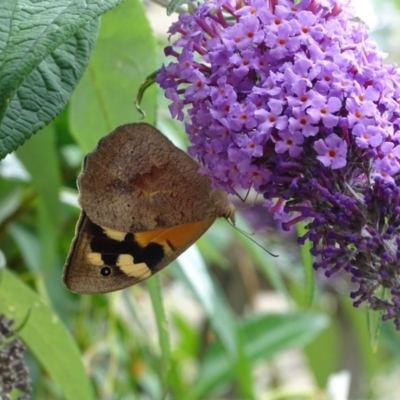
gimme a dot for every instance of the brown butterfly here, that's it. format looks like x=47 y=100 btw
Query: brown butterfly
x=143 y=204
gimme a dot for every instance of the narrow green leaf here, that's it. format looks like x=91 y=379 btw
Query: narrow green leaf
x=193 y=271
x=44 y=49
x=154 y=287
x=264 y=260
x=46 y=337
x=40 y=159
x=353 y=322
x=307 y=261
x=123 y=56
x=28 y=245
x=242 y=370
x=374 y=320
x=9 y=202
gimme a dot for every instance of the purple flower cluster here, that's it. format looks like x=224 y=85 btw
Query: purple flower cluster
x=294 y=101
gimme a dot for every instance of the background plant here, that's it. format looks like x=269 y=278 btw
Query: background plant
x=231 y=326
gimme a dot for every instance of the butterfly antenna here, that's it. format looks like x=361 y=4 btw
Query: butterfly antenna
x=248 y=236
x=243 y=199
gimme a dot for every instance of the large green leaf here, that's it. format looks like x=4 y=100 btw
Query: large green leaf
x=123 y=56
x=263 y=337
x=44 y=49
x=46 y=337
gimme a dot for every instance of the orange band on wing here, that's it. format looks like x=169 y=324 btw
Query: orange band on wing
x=175 y=236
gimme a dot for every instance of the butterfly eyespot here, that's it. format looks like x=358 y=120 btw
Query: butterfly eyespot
x=105 y=271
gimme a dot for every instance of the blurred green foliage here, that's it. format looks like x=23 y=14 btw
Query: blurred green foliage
x=225 y=321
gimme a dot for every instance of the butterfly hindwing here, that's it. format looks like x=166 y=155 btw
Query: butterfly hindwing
x=104 y=260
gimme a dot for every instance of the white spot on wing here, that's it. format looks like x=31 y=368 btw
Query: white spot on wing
x=95 y=259
x=115 y=235
x=127 y=264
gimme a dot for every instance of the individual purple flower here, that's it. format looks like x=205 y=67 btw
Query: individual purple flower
x=390 y=156
x=359 y=113
x=303 y=122
x=176 y=107
x=302 y=96
x=368 y=136
x=282 y=42
x=244 y=34
x=324 y=109
x=199 y=88
x=272 y=118
x=290 y=142
x=295 y=101
x=332 y=151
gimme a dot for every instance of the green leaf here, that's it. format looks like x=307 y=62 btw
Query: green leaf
x=123 y=56
x=44 y=49
x=156 y=299
x=309 y=287
x=46 y=180
x=45 y=174
x=374 y=320
x=9 y=201
x=264 y=336
x=28 y=244
x=193 y=271
x=46 y=337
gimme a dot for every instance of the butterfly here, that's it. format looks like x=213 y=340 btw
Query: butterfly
x=143 y=204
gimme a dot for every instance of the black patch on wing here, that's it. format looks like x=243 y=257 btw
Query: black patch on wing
x=110 y=249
